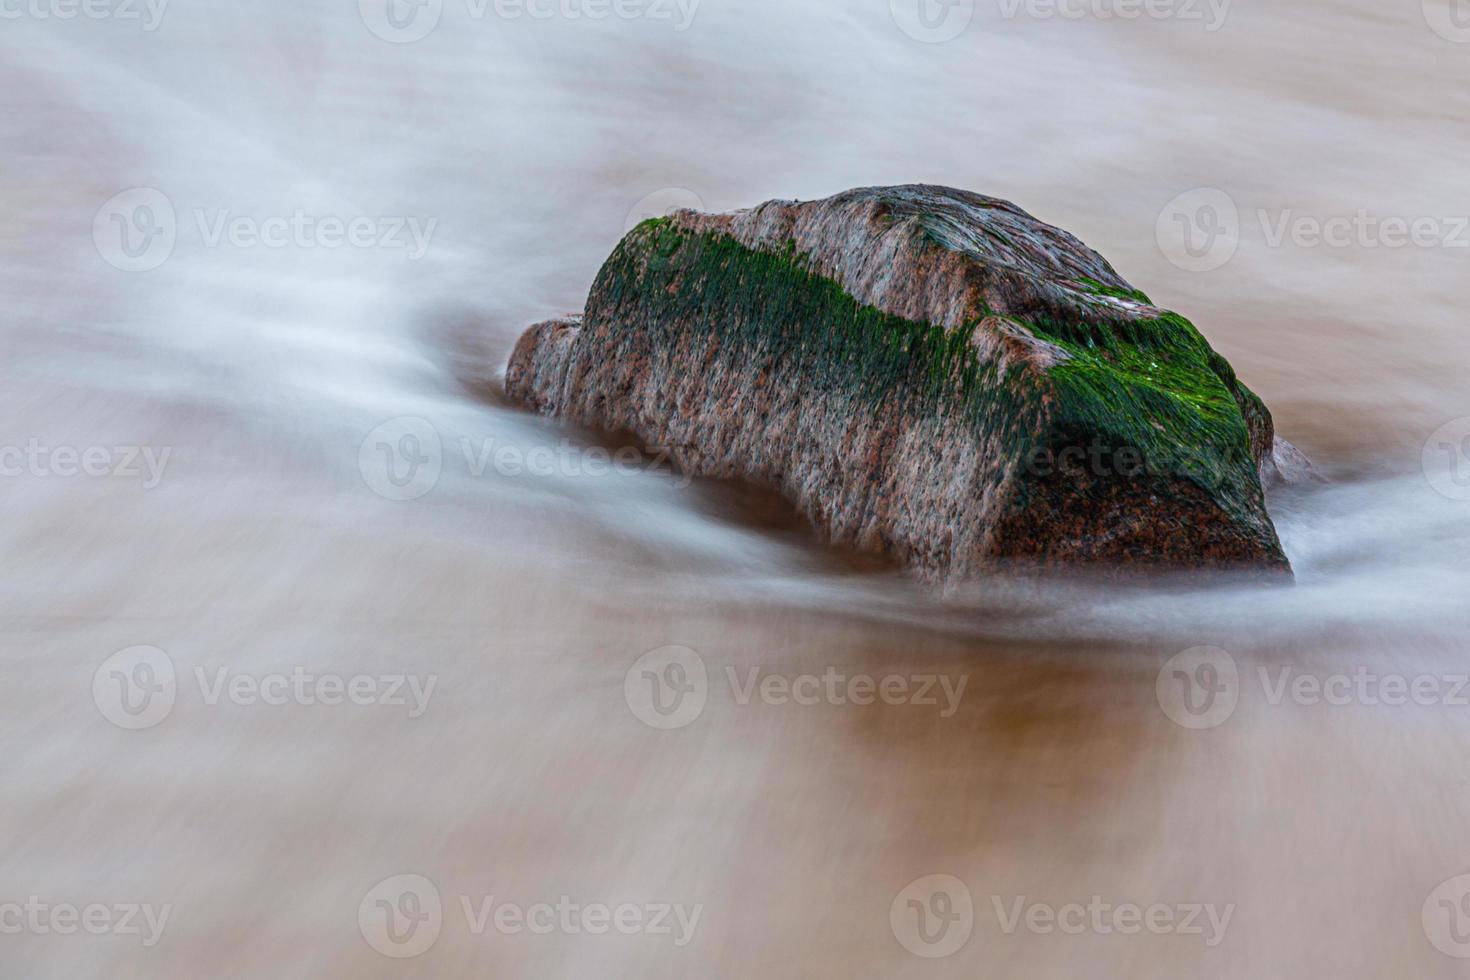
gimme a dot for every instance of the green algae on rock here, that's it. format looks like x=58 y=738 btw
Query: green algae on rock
x=929 y=374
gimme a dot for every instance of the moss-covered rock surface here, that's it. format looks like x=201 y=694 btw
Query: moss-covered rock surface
x=929 y=374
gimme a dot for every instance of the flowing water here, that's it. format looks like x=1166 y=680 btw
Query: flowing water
x=230 y=403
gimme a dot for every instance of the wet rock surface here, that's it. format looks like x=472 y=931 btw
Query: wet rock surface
x=929 y=374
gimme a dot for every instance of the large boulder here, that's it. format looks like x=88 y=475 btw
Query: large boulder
x=929 y=374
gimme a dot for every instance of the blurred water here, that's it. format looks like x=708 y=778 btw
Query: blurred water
x=519 y=148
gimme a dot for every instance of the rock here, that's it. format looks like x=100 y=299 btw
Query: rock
x=1287 y=466
x=929 y=374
